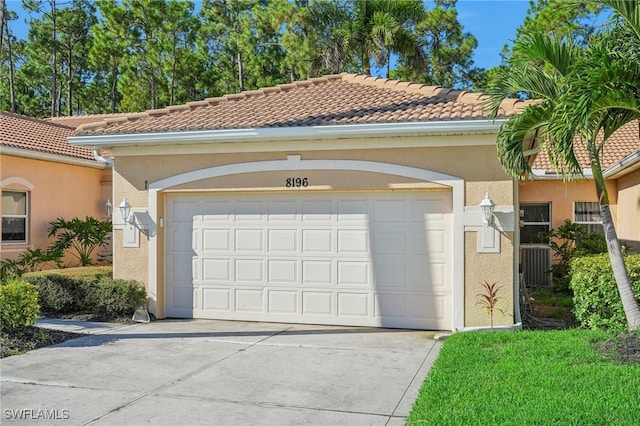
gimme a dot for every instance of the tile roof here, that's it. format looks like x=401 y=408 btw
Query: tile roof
x=330 y=100
x=77 y=120
x=32 y=134
x=623 y=142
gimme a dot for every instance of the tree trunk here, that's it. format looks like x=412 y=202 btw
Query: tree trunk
x=240 y=71
x=54 y=83
x=1 y=23
x=12 y=71
x=629 y=302
x=114 y=85
x=69 y=81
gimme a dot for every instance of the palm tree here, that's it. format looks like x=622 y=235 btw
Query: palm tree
x=581 y=95
x=382 y=27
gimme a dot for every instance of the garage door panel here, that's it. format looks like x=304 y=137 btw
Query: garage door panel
x=353 y=273
x=283 y=271
x=283 y=302
x=376 y=259
x=317 y=303
x=216 y=240
x=389 y=210
x=317 y=210
x=216 y=299
x=353 y=241
x=249 y=240
x=389 y=242
x=216 y=270
x=317 y=272
x=283 y=240
x=390 y=273
x=317 y=241
x=248 y=300
x=249 y=270
x=353 y=304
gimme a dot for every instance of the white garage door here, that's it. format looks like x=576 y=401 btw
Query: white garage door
x=374 y=259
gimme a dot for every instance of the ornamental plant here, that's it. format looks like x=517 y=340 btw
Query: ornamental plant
x=489 y=299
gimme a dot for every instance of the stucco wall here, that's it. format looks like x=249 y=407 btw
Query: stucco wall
x=58 y=190
x=628 y=225
x=477 y=165
x=562 y=196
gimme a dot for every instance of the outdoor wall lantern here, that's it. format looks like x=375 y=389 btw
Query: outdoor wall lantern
x=487 y=205
x=108 y=207
x=125 y=211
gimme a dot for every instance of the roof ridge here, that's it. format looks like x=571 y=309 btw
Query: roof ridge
x=463 y=96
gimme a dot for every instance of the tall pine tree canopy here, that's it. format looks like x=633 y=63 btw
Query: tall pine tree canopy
x=105 y=56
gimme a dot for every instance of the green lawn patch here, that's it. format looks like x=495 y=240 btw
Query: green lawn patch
x=528 y=378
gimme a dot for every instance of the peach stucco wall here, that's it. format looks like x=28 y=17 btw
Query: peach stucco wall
x=477 y=165
x=58 y=190
x=628 y=225
x=562 y=196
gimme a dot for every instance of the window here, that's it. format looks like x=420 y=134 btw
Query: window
x=588 y=214
x=14 y=217
x=537 y=218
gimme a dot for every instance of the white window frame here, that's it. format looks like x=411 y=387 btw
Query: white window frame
x=588 y=223
x=19 y=216
x=548 y=223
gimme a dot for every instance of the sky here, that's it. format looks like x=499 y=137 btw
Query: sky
x=493 y=22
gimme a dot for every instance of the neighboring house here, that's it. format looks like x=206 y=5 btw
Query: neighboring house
x=546 y=200
x=347 y=200
x=43 y=178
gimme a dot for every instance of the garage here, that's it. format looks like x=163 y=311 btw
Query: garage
x=370 y=258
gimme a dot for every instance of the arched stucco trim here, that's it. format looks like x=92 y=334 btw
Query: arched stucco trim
x=15 y=180
x=294 y=162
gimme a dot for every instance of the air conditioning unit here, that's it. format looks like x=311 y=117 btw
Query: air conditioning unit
x=535 y=262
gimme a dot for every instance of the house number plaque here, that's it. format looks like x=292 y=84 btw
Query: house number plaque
x=296 y=182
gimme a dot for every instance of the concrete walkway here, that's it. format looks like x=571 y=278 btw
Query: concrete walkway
x=192 y=372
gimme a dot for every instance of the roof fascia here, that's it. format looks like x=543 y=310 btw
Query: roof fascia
x=541 y=174
x=290 y=133
x=56 y=158
x=628 y=164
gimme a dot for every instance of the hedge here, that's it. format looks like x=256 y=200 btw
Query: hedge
x=597 y=303
x=18 y=305
x=104 y=296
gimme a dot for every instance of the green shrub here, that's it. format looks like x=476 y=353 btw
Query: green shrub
x=18 y=304
x=93 y=273
x=95 y=294
x=114 y=297
x=597 y=303
x=58 y=294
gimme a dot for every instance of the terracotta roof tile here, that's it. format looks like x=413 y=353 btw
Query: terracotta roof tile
x=18 y=131
x=328 y=100
x=77 y=120
x=623 y=142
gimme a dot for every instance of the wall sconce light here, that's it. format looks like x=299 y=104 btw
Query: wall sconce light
x=487 y=205
x=108 y=207
x=125 y=211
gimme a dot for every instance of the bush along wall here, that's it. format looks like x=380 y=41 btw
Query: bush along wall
x=18 y=305
x=597 y=303
x=104 y=296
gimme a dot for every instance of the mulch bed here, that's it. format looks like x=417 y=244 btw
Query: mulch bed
x=15 y=342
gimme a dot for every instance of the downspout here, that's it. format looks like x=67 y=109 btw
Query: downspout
x=517 y=317
x=101 y=159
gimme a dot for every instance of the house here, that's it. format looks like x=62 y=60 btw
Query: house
x=43 y=177
x=346 y=199
x=546 y=200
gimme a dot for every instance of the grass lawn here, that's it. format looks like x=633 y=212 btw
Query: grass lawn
x=528 y=378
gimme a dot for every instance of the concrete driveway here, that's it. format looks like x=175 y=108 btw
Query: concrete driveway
x=191 y=372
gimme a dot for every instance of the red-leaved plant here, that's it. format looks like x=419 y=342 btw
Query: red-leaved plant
x=489 y=299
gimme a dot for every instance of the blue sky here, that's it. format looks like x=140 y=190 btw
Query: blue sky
x=493 y=22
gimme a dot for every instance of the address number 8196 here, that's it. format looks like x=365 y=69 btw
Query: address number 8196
x=296 y=182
